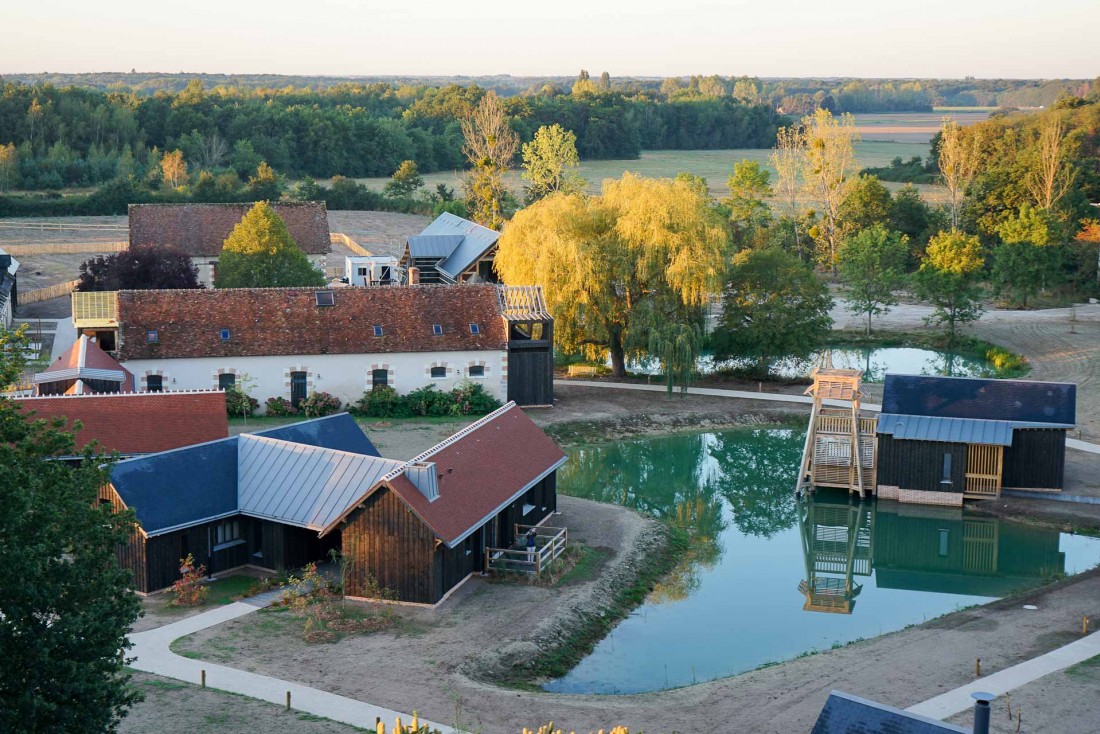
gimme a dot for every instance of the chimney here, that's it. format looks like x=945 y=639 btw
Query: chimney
x=414 y=275
x=981 y=711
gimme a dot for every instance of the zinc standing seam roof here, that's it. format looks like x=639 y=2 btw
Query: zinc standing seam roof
x=946 y=430
x=433 y=245
x=471 y=241
x=302 y=485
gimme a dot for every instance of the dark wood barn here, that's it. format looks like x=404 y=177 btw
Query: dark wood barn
x=530 y=346
x=943 y=439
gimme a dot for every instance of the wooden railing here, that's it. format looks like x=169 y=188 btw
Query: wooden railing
x=45 y=294
x=550 y=543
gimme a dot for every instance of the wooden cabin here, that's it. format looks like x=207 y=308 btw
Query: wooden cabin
x=280 y=498
x=944 y=439
x=451 y=250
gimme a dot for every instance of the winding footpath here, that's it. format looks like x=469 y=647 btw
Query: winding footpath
x=153 y=654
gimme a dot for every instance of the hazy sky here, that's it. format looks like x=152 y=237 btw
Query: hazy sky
x=869 y=38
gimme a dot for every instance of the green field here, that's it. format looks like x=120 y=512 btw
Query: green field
x=883 y=137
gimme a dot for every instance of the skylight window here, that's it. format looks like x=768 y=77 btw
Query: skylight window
x=325 y=298
x=378 y=330
x=152 y=336
x=437 y=329
x=224 y=334
x=475 y=329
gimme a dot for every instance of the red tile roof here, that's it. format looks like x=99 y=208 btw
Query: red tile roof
x=480 y=470
x=138 y=423
x=288 y=321
x=84 y=360
x=201 y=229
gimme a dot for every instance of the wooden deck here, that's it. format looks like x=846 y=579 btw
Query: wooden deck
x=550 y=544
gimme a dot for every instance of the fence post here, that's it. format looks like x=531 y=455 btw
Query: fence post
x=288 y=700
x=203 y=678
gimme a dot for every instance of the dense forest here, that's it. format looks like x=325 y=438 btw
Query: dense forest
x=71 y=136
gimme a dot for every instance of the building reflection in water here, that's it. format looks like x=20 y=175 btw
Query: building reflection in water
x=916 y=547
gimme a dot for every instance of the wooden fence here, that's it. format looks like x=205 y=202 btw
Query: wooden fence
x=339 y=238
x=62 y=226
x=550 y=543
x=45 y=294
x=66 y=248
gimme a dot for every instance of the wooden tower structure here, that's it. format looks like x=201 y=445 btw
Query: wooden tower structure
x=837 y=545
x=840 y=444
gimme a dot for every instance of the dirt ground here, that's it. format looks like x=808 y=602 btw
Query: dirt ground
x=172 y=707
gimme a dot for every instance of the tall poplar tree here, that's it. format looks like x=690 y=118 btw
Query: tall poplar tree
x=260 y=253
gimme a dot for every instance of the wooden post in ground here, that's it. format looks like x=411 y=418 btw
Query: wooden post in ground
x=288 y=700
x=202 y=678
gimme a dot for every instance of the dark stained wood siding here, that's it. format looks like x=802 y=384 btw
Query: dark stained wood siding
x=131 y=555
x=531 y=367
x=385 y=540
x=919 y=464
x=1036 y=459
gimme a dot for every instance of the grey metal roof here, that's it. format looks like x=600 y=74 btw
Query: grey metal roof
x=847 y=714
x=428 y=245
x=302 y=485
x=339 y=432
x=476 y=241
x=954 y=430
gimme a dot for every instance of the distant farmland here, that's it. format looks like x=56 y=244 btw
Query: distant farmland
x=884 y=137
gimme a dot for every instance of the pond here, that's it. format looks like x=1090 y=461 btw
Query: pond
x=875 y=363
x=767 y=578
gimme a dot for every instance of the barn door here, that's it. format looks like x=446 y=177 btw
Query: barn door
x=983 y=470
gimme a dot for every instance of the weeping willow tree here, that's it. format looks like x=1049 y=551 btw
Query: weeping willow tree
x=677 y=346
x=606 y=262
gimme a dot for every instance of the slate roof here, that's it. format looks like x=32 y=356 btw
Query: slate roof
x=847 y=714
x=201 y=229
x=197 y=484
x=302 y=485
x=84 y=360
x=481 y=470
x=137 y=423
x=288 y=321
x=1022 y=401
x=458 y=242
x=339 y=432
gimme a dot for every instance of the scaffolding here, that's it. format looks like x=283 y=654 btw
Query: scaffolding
x=840 y=449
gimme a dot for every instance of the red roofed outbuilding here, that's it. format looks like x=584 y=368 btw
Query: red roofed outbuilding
x=84 y=369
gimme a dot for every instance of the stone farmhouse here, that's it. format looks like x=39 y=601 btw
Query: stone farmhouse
x=292 y=342
x=200 y=230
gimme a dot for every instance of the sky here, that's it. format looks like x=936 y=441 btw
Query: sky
x=861 y=38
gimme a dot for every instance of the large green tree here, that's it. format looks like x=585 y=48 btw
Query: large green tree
x=139 y=268
x=550 y=163
x=774 y=307
x=949 y=280
x=260 y=253
x=749 y=187
x=872 y=266
x=65 y=604
x=405 y=181
x=644 y=252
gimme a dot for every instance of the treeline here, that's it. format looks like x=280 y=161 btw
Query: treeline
x=65 y=137
x=845 y=94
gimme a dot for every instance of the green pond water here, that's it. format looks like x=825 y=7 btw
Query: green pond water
x=875 y=363
x=767 y=578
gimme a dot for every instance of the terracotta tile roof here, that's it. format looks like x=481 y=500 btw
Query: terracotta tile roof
x=84 y=360
x=288 y=321
x=480 y=470
x=200 y=229
x=138 y=423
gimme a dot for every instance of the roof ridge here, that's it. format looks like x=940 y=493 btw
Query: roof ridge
x=484 y=420
x=216 y=291
x=201 y=391
x=319 y=448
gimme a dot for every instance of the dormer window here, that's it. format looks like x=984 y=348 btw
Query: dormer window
x=224 y=335
x=437 y=329
x=325 y=298
x=152 y=336
x=378 y=330
x=475 y=329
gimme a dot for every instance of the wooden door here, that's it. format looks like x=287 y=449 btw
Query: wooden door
x=983 y=470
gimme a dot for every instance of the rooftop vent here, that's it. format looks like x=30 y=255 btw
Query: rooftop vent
x=422 y=474
x=325 y=298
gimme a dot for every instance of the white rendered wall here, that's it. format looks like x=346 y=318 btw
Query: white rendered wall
x=347 y=376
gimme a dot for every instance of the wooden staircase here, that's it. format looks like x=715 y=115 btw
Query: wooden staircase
x=841 y=447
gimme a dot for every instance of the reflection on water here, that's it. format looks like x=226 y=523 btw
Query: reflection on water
x=874 y=363
x=761 y=566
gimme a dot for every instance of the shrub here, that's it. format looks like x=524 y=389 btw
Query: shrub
x=471 y=398
x=429 y=401
x=320 y=404
x=279 y=406
x=1004 y=360
x=381 y=402
x=190 y=590
x=239 y=404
